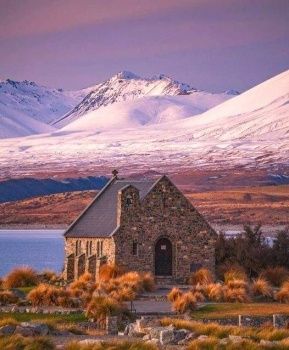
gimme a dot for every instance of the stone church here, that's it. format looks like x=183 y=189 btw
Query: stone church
x=143 y=226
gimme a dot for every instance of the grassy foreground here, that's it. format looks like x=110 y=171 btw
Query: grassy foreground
x=27 y=317
x=223 y=310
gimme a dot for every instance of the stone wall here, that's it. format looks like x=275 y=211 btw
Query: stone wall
x=89 y=258
x=164 y=212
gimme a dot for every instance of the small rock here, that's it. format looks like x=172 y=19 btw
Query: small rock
x=267 y=343
x=153 y=341
x=7 y=330
x=235 y=338
x=89 y=342
x=146 y=337
x=202 y=337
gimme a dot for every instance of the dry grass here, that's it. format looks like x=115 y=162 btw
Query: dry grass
x=102 y=306
x=17 y=342
x=46 y=295
x=21 y=277
x=174 y=294
x=220 y=331
x=235 y=274
x=261 y=287
x=275 y=275
x=235 y=295
x=8 y=321
x=7 y=297
x=110 y=271
x=184 y=303
x=224 y=310
x=202 y=276
x=214 y=292
x=283 y=294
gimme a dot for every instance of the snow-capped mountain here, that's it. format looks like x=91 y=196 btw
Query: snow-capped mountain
x=145 y=111
x=126 y=87
x=25 y=107
x=250 y=130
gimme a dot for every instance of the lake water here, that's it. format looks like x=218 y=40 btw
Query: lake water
x=40 y=249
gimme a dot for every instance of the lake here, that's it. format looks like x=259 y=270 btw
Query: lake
x=40 y=249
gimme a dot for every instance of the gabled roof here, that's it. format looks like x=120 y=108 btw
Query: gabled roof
x=99 y=219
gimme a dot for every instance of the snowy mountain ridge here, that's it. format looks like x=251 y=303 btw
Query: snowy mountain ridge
x=125 y=87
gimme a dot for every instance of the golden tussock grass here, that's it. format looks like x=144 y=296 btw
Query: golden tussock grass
x=109 y=271
x=17 y=342
x=174 y=294
x=283 y=294
x=21 y=277
x=184 y=303
x=235 y=295
x=202 y=276
x=102 y=306
x=222 y=331
x=261 y=287
x=214 y=291
x=234 y=273
x=275 y=275
x=47 y=295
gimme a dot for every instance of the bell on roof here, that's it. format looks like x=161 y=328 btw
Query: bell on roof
x=114 y=173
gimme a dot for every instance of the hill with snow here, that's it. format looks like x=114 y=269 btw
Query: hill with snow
x=250 y=130
x=25 y=107
x=126 y=87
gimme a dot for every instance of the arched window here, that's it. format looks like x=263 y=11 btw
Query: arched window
x=76 y=248
x=101 y=248
x=128 y=201
x=87 y=248
x=90 y=247
x=79 y=248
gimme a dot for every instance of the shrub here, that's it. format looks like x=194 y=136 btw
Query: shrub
x=8 y=321
x=7 y=297
x=202 y=276
x=184 y=303
x=174 y=294
x=234 y=274
x=123 y=294
x=48 y=276
x=214 y=291
x=261 y=287
x=283 y=294
x=102 y=306
x=239 y=295
x=275 y=275
x=46 y=295
x=21 y=277
x=107 y=272
x=148 y=282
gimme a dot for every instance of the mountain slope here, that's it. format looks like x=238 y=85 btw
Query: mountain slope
x=145 y=111
x=126 y=87
x=249 y=131
x=26 y=106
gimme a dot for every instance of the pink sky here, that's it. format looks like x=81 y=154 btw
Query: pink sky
x=213 y=45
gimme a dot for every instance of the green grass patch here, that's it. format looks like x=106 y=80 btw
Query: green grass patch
x=26 y=290
x=226 y=310
x=20 y=317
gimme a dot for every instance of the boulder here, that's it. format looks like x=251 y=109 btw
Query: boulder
x=153 y=341
x=146 y=337
x=7 y=330
x=25 y=331
x=155 y=331
x=167 y=336
x=190 y=336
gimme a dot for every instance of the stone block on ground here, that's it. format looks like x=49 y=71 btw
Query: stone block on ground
x=7 y=330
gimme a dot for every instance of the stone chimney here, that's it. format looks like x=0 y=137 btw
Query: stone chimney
x=114 y=174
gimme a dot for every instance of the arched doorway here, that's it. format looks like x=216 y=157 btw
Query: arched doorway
x=163 y=257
